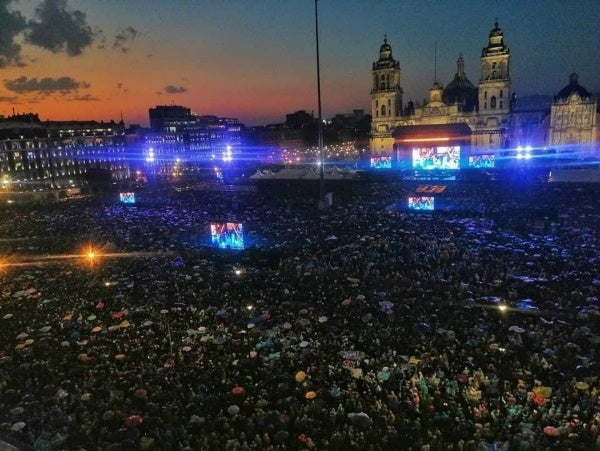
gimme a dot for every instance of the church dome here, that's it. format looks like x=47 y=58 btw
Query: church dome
x=495 y=42
x=385 y=51
x=386 y=60
x=460 y=90
x=496 y=31
x=573 y=88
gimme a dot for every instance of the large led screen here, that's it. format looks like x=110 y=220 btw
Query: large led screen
x=381 y=162
x=481 y=161
x=442 y=157
x=227 y=235
x=425 y=203
x=127 y=198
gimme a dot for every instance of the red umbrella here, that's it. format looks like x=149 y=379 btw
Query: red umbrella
x=100 y=305
x=140 y=393
x=118 y=315
x=551 y=431
x=462 y=378
x=133 y=421
x=237 y=390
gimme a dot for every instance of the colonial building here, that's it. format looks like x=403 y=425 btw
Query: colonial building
x=496 y=121
x=574 y=119
x=36 y=155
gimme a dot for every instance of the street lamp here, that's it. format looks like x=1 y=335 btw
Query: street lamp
x=322 y=204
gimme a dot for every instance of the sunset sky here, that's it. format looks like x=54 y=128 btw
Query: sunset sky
x=255 y=59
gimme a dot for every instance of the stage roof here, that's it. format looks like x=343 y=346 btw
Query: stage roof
x=441 y=132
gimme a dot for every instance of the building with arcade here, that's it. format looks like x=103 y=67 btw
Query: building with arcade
x=473 y=125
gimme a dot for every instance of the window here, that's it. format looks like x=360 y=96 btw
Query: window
x=493 y=102
x=485 y=94
x=501 y=93
x=501 y=103
x=383 y=110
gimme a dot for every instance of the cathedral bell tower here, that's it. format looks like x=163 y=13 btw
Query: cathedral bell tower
x=386 y=99
x=493 y=121
x=494 y=84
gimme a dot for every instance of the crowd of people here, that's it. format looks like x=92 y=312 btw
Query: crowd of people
x=363 y=327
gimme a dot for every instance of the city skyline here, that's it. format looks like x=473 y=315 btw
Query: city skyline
x=79 y=60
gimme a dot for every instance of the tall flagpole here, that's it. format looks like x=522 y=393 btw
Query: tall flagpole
x=322 y=204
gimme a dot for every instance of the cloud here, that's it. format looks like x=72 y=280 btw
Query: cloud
x=58 y=29
x=171 y=89
x=12 y=23
x=86 y=98
x=46 y=85
x=122 y=37
x=9 y=99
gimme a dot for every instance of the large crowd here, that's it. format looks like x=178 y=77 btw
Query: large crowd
x=363 y=327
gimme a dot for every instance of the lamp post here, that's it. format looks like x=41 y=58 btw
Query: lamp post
x=322 y=204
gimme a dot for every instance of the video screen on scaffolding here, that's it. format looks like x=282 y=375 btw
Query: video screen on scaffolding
x=227 y=235
x=485 y=161
x=422 y=203
x=441 y=157
x=127 y=198
x=381 y=162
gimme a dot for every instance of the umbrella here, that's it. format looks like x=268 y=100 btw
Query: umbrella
x=86 y=397
x=286 y=326
x=133 y=421
x=140 y=393
x=543 y=392
x=233 y=410
x=551 y=431
x=96 y=329
x=147 y=323
x=186 y=349
x=118 y=315
x=92 y=317
x=581 y=385
x=303 y=344
x=237 y=390
x=322 y=319
x=300 y=376
x=347 y=301
x=8 y=316
x=219 y=340
x=310 y=395
x=360 y=419
x=22 y=336
x=113 y=328
x=120 y=357
x=517 y=329
x=28 y=342
x=100 y=305
x=17 y=411
x=17 y=426
x=124 y=324
x=202 y=330
x=384 y=374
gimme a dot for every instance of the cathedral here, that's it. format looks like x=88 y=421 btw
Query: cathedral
x=486 y=119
